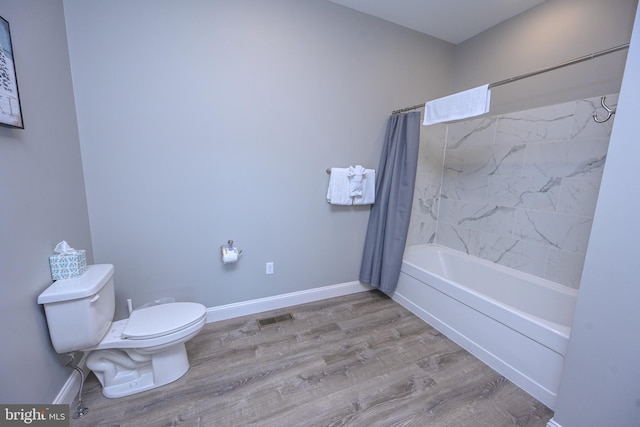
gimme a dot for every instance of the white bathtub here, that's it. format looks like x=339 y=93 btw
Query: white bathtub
x=516 y=323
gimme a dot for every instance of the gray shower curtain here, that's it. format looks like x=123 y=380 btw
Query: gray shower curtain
x=390 y=215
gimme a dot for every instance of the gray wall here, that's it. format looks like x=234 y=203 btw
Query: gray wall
x=203 y=121
x=42 y=199
x=601 y=379
x=551 y=33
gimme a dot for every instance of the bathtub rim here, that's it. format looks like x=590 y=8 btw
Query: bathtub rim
x=508 y=270
x=546 y=333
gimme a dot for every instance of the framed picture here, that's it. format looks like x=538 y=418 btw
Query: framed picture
x=10 y=111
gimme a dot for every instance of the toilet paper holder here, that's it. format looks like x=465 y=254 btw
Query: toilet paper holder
x=230 y=253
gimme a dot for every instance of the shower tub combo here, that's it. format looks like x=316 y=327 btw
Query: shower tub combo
x=516 y=323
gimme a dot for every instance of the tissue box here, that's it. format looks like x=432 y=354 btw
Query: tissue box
x=68 y=266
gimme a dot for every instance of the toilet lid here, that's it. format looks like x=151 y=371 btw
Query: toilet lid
x=162 y=319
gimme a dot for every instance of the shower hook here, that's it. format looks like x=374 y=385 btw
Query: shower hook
x=610 y=111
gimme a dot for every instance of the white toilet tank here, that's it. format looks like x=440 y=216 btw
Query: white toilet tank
x=80 y=311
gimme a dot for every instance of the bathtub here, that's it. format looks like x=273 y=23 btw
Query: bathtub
x=516 y=323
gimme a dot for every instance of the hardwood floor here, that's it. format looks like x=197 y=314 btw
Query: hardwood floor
x=357 y=360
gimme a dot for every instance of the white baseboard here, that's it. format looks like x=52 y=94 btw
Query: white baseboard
x=260 y=305
x=70 y=388
x=552 y=423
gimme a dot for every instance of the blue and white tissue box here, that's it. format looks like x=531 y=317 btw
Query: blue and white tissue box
x=68 y=266
x=67 y=263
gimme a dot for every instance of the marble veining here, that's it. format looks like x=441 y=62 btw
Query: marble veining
x=469 y=133
x=509 y=162
x=519 y=189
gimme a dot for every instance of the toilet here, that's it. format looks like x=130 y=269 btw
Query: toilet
x=128 y=356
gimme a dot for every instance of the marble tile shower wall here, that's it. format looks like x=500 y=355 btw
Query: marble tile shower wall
x=424 y=212
x=518 y=189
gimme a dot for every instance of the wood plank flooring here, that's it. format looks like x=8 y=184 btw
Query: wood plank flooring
x=356 y=360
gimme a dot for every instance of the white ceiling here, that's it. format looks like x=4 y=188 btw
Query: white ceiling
x=450 y=20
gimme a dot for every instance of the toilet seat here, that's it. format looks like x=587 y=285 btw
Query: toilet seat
x=163 y=319
x=190 y=318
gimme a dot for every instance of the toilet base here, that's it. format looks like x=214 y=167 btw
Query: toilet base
x=125 y=372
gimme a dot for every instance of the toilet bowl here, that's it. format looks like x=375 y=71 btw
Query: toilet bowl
x=128 y=356
x=146 y=350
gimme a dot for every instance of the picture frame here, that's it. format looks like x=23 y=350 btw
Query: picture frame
x=10 y=110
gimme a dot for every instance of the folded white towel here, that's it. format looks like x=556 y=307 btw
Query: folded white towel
x=356 y=175
x=368 y=189
x=338 y=192
x=462 y=105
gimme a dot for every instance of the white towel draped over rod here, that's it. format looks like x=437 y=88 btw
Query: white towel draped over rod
x=535 y=73
x=353 y=185
x=329 y=171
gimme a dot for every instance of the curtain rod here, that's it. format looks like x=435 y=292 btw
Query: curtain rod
x=540 y=71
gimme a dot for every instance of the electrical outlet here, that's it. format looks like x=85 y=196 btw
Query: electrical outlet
x=269 y=268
